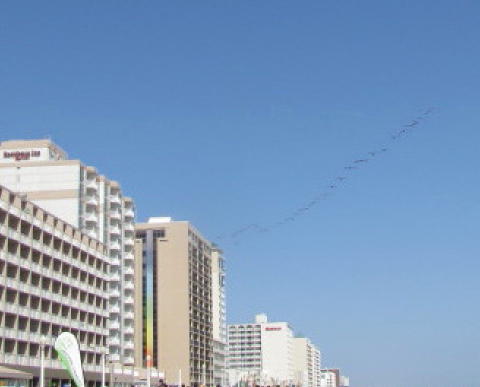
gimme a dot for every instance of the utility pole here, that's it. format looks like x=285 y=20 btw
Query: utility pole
x=42 y=361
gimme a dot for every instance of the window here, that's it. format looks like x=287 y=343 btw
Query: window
x=159 y=233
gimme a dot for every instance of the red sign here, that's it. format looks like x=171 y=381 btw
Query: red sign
x=273 y=329
x=24 y=155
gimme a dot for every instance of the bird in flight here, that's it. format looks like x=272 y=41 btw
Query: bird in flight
x=412 y=124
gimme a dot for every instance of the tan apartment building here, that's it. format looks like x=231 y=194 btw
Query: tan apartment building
x=176 y=300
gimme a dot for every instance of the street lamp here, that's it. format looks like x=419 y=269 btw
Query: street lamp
x=43 y=341
x=148 y=370
x=104 y=356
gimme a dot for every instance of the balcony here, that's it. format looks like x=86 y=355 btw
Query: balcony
x=112 y=340
x=91 y=217
x=114 y=277
x=115 y=215
x=128 y=330
x=128 y=270
x=91 y=184
x=129 y=213
x=115 y=230
x=91 y=232
x=128 y=315
x=129 y=300
x=114 y=309
x=91 y=201
x=14 y=210
x=128 y=345
x=129 y=242
x=129 y=227
x=114 y=245
x=115 y=199
x=129 y=285
x=115 y=293
x=114 y=357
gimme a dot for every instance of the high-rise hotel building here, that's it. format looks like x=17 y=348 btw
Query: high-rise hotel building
x=262 y=352
x=306 y=362
x=80 y=196
x=219 y=318
x=53 y=278
x=176 y=332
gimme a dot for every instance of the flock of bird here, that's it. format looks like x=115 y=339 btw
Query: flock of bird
x=335 y=183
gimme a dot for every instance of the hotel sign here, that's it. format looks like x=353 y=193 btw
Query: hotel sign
x=21 y=155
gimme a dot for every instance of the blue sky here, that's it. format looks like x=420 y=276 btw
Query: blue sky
x=231 y=113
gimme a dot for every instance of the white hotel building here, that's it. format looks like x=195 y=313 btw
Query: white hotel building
x=219 y=318
x=80 y=196
x=306 y=359
x=260 y=353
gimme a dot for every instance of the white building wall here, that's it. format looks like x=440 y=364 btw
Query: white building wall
x=69 y=209
x=45 y=185
x=277 y=351
x=42 y=178
x=300 y=362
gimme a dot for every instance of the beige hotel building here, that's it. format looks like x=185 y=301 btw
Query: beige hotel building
x=53 y=278
x=175 y=290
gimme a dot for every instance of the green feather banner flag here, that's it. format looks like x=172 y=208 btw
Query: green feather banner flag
x=68 y=351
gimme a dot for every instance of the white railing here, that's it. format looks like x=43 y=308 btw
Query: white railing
x=115 y=215
x=115 y=230
x=128 y=270
x=114 y=245
x=129 y=285
x=115 y=199
x=92 y=184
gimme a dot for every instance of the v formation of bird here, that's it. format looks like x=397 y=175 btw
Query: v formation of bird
x=327 y=191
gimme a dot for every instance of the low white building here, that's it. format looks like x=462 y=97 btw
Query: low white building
x=330 y=378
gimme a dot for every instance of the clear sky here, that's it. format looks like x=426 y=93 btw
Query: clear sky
x=228 y=113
